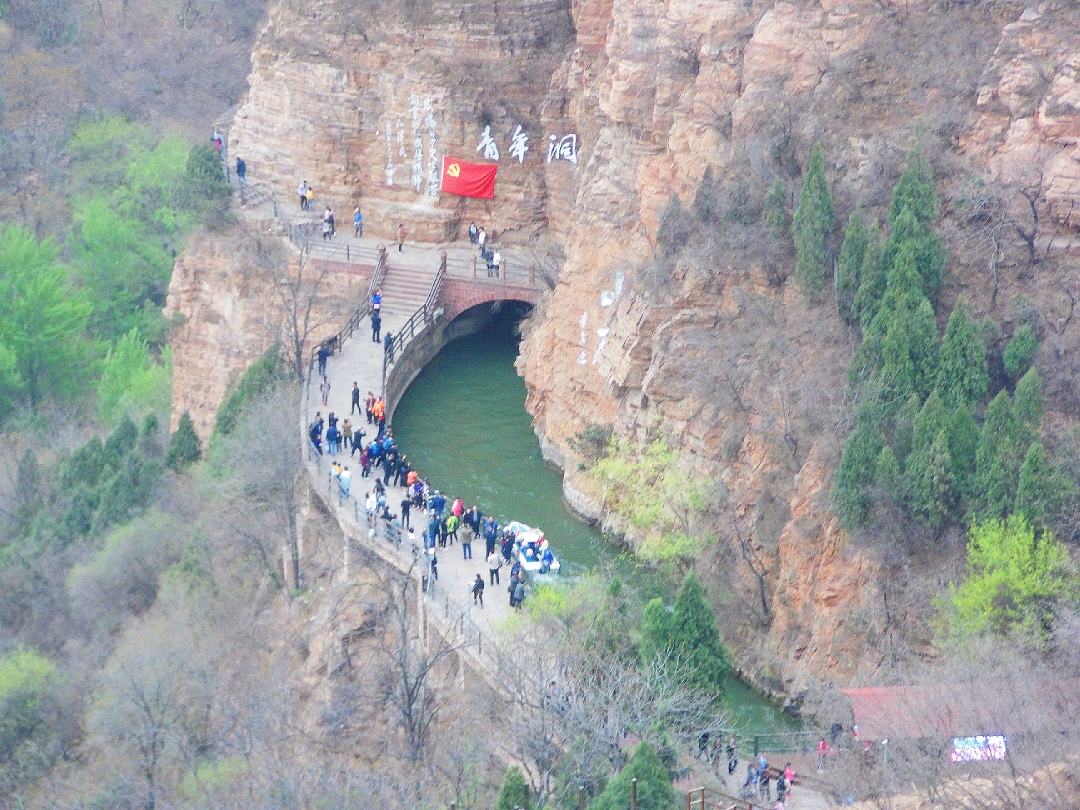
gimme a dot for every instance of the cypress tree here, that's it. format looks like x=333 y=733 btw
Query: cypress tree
x=904 y=429
x=867 y=361
x=810 y=226
x=910 y=352
x=849 y=266
x=872 y=281
x=962 y=376
x=914 y=191
x=1028 y=407
x=1037 y=490
x=695 y=636
x=655 y=630
x=931 y=420
x=963 y=445
x=994 y=457
x=996 y=498
x=903 y=292
x=654 y=790
x=887 y=478
x=512 y=792
x=930 y=482
x=773 y=212
x=849 y=493
x=926 y=247
x=1020 y=352
x=184 y=445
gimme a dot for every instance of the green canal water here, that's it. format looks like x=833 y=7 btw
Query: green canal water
x=462 y=423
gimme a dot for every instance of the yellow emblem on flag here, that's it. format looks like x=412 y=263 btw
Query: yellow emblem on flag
x=454 y=170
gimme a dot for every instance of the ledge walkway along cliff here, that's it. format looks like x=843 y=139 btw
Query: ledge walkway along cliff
x=424 y=287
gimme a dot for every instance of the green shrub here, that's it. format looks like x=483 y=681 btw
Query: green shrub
x=260 y=377
x=654 y=790
x=512 y=793
x=1017 y=579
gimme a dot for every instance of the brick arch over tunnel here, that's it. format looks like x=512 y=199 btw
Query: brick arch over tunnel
x=459 y=295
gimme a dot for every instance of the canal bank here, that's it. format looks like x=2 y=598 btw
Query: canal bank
x=463 y=424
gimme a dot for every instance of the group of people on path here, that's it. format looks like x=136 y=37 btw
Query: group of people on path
x=759 y=777
x=446 y=520
x=375 y=313
x=492 y=257
x=307 y=196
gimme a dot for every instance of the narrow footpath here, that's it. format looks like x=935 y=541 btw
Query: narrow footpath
x=408 y=278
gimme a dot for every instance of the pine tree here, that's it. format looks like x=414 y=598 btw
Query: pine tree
x=887 y=478
x=872 y=281
x=813 y=220
x=857 y=238
x=914 y=191
x=931 y=420
x=654 y=791
x=1042 y=491
x=773 y=213
x=930 y=481
x=963 y=445
x=184 y=445
x=695 y=636
x=910 y=353
x=655 y=630
x=927 y=250
x=994 y=457
x=904 y=429
x=512 y=792
x=962 y=376
x=1028 y=407
x=1020 y=352
x=850 y=496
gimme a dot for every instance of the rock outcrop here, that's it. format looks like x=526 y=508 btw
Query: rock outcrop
x=675 y=106
x=229 y=295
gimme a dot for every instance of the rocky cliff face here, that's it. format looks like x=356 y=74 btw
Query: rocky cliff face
x=229 y=294
x=708 y=101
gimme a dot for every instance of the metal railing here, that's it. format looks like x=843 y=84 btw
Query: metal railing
x=779 y=742
x=417 y=322
x=304 y=234
x=336 y=341
x=453 y=621
x=703 y=798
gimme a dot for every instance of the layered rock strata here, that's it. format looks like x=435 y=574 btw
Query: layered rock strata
x=712 y=351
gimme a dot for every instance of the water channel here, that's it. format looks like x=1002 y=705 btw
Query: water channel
x=463 y=424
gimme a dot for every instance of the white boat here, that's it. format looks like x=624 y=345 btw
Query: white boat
x=530 y=547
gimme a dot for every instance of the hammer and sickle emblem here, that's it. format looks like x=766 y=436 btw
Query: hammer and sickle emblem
x=454 y=170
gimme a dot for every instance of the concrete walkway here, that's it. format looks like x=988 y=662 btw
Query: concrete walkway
x=360 y=360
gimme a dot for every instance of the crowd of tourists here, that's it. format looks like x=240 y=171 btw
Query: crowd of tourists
x=444 y=520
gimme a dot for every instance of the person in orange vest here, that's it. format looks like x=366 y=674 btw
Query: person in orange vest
x=378 y=410
x=400 y=236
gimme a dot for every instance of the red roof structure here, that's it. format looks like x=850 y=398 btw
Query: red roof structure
x=967 y=709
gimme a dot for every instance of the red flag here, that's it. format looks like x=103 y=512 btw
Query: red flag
x=468 y=179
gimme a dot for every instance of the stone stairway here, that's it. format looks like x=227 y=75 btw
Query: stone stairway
x=407 y=281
